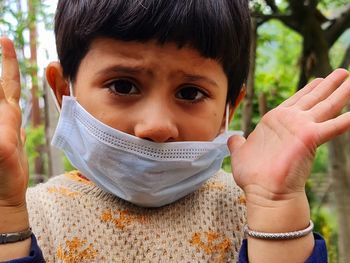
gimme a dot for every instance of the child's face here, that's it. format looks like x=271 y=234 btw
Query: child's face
x=155 y=92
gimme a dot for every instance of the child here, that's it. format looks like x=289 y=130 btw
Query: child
x=143 y=87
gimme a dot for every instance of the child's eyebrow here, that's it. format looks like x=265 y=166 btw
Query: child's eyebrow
x=199 y=78
x=125 y=70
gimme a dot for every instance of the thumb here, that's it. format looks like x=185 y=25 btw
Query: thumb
x=235 y=142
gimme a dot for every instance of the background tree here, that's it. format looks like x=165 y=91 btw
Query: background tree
x=36 y=116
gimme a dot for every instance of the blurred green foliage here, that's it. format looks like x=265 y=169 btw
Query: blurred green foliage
x=35 y=138
x=67 y=165
x=338 y=50
x=35 y=143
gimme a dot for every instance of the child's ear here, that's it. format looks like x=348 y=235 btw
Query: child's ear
x=58 y=84
x=233 y=109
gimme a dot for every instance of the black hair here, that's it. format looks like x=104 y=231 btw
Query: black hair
x=218 y=29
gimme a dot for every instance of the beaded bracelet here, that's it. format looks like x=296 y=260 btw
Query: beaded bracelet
x=6 y=238
x=278 y=236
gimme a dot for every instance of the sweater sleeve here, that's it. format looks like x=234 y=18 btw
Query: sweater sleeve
x=319 y=254
x=35 y=254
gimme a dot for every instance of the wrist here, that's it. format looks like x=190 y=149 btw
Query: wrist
x=16 y=250
x=279 y=215
x=14 y=219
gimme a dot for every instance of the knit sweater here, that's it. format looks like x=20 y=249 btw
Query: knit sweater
x=75 y=221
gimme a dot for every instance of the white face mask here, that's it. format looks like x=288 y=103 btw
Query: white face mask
x=140 y=171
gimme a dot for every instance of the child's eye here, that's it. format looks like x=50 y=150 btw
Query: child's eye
x=123 y=87
x=192 y=94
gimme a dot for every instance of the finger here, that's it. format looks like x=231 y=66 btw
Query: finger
x=334 y=127
x=301 y=93
x=10 y=70
x=2 y=93
x=332 y=106
x=323 y=90
x=235 y=142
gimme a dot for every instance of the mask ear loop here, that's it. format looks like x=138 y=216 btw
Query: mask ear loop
x=53 y=96
x=71 y=93
x=227 y=117
x=58 y=108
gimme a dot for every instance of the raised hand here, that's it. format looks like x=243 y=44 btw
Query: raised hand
x=273 y=164
x=13 y=161
x=275 y=160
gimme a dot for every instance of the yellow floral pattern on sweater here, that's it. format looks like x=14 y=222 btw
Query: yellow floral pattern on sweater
x=242 y=199
x=76 y=250
x=121 y=218
x=212 y=243
x=214 y=185
x=63 y=191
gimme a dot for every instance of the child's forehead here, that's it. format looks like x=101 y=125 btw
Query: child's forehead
x=140 y=49
x=148 y=56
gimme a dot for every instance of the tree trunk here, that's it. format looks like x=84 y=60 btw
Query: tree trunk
x=340 y=174
x=263 y=109
x=315 y=56
x=35 y=116
x=247 y=109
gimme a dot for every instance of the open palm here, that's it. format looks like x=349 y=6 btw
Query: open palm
x=13 y=161
x=275 y=160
